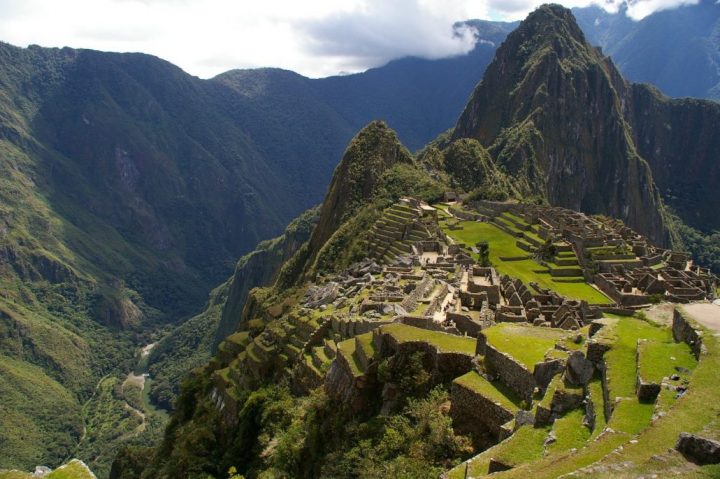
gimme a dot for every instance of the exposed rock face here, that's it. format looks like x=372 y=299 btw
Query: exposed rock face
x=679 y=139
x=549 y=110
x=578 y=369
x=698 y=449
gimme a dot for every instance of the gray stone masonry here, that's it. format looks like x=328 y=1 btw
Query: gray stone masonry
x=475 y=414
x=510 y=372
x=684 y=332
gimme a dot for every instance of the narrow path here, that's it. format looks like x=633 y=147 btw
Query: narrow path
x=707 y=314
x=138 y=381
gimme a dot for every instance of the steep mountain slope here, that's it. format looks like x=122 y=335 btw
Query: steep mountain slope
x=418 y=97
x=127 y=189
x=548 y=108
x=678 y=137
x=677 y=50
x=192 y=344
x=375 y=171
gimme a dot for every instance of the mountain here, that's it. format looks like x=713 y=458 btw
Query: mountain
x=559 y=118
x=419 y=98
x=128 y=190
x=339 y=368
x=548 y=109
x=374 y=172
x=677 y=50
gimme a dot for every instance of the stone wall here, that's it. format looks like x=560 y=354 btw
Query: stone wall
x=544 y=372
x=445 y=366
x=343 y=386
x=683 y=331
x=472 y=413
x=411 y=300
x=646 y=391
x=429 y=324
x=510 y=372
x=349 y=328
x=465 y=324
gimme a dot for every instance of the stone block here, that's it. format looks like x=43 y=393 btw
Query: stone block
x=698 y=449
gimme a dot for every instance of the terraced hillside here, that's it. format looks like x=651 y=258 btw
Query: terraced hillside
x=524 y=379
x=513 y=243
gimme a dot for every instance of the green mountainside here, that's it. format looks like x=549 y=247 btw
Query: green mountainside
x=128 y=189
x=372 y=353
x=125 y=192
x=548 y=108
x=192 y=344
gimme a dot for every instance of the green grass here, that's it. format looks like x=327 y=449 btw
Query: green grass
x=621 y=358
x=659 y=360
x=71 y=470
x=448 y=343
x=554 y=466
x=515 y=217
x=596 y=395
x=501 y=243
x=35 y=412
x=525 y=445
x=347 y=349
x=15 y=475
x=692 y=413
x=366 y=342
x=494 y=391
x=527 y=344
x=569 y=431
x=631 y=416
x=504 y=245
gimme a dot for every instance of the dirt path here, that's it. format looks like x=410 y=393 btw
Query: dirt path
x=707 y=314
x=661 y=313
x=138 y=380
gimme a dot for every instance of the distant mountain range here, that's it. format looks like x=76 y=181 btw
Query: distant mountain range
x=676 y=50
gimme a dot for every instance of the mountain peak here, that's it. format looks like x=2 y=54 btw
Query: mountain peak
x=549 y=109
x=373 y=150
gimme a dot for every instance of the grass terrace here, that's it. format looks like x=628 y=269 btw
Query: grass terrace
x=495 y=391
x=569 y=431
x=525 y=445
x=698 y=410
x=527 y=344
x=347 y=349
x=659 y=360
x=503 y=245
x=448 y=343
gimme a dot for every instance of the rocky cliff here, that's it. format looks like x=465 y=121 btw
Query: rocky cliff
x=549 y=110
x=679 y=138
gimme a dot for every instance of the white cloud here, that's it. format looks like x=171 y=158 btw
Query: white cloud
x=312 y=37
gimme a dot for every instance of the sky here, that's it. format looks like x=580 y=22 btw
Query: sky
x=316 y=38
